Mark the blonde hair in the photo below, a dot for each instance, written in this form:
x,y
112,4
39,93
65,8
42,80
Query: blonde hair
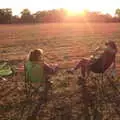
x,y
35,55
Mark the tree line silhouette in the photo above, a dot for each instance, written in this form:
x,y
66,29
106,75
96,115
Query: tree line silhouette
x,y
55,15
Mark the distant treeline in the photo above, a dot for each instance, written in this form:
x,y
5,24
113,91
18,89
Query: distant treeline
x,y
55,15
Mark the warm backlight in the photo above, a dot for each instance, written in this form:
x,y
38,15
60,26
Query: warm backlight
x,y
73,12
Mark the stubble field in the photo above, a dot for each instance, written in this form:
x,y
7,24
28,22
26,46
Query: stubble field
x,y
63,43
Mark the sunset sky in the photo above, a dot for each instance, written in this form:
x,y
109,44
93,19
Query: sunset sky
x,y
105,6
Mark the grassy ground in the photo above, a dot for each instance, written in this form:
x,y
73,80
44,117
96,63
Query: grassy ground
x,y
64,44
61,43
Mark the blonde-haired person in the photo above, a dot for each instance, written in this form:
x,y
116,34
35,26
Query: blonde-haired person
x,y
37,70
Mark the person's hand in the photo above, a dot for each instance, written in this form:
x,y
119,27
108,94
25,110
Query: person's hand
x,y
56,67
97,48
70,70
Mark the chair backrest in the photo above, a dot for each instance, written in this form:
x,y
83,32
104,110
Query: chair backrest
x,y
34,72
102,63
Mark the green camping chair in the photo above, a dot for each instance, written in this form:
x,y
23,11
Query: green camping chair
x,y
34,73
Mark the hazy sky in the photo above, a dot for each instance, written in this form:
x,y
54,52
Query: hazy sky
x,y
105,6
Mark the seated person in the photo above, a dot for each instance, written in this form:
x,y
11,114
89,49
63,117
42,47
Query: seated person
x,y
37,70
98,63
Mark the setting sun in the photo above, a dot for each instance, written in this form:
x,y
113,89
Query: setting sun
x,y
73,12
76,7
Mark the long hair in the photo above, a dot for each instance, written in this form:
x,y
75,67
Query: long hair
x,y
36,55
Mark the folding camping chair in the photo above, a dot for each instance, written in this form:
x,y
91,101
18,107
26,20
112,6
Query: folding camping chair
x,y
100,66
35,73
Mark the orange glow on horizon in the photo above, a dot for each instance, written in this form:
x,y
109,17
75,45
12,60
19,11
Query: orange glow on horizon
x,y
76,12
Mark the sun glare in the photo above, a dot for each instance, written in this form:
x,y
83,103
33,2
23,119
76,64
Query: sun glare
x,y
74,12
76,7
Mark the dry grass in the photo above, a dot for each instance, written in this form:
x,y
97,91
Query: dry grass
x,y
64,44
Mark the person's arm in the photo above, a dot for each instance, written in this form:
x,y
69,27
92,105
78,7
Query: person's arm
x,y
77,66
50,69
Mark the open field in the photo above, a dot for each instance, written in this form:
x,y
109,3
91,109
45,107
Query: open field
x,y
64,44
61,43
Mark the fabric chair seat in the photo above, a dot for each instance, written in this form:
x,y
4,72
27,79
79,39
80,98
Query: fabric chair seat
x,y
101,64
